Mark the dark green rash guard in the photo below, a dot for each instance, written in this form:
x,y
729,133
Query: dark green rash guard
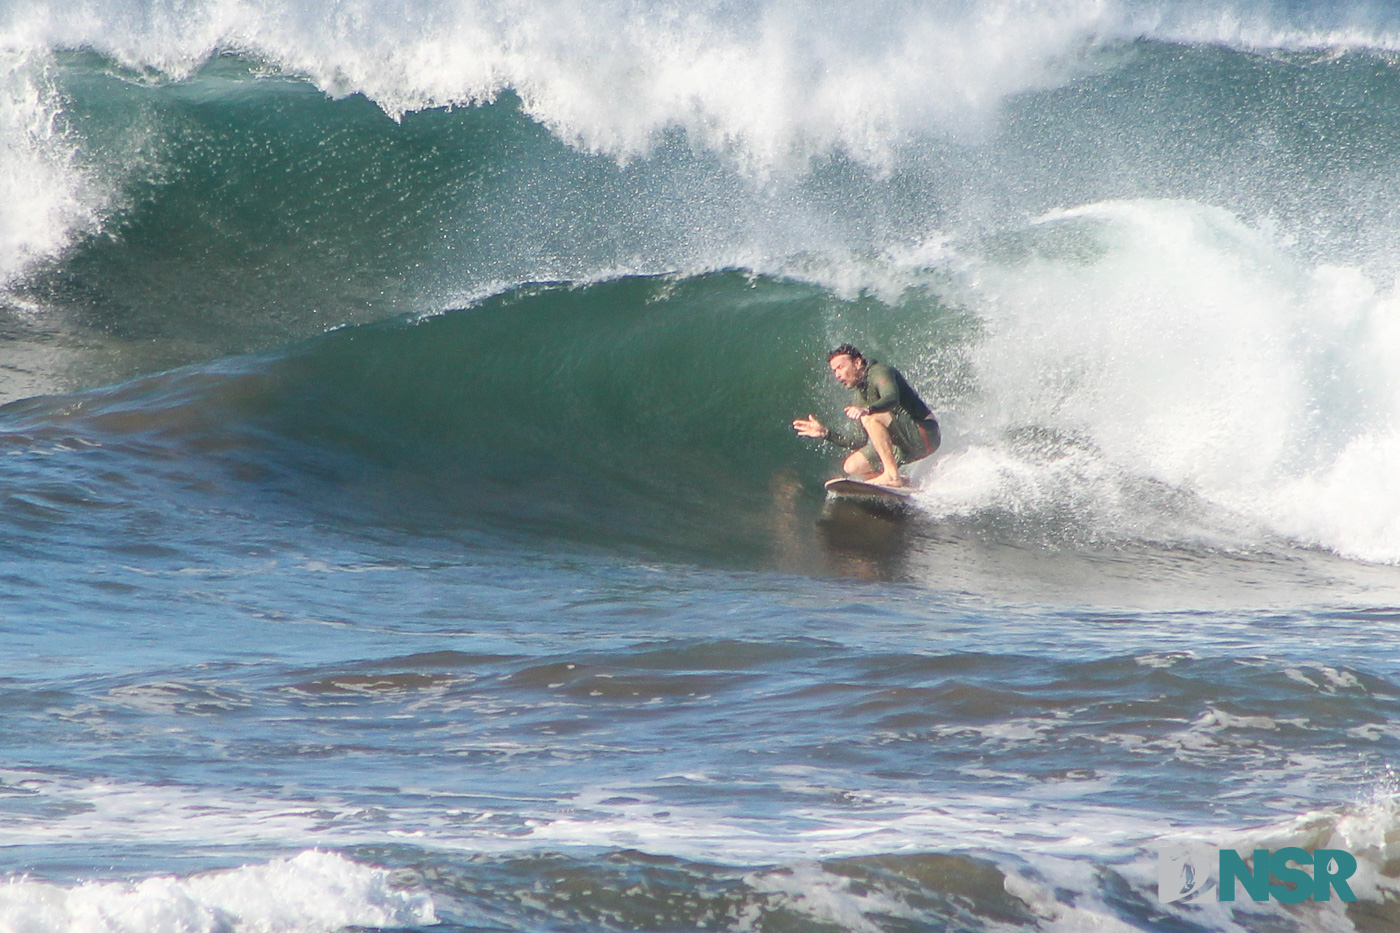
x,y
882,389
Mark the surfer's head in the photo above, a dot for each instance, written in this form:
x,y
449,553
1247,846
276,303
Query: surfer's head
x,y
847,365
845,350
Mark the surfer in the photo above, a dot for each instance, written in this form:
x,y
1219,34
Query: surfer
x,y
897,427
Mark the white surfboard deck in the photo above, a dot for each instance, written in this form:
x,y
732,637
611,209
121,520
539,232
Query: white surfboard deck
x,y
846,488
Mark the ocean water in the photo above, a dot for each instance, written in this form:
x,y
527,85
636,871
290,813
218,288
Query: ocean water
x,y
403,529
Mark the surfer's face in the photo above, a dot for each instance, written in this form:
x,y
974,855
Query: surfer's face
x,y
848,372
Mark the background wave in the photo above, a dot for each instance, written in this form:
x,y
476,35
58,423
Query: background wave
x,y
238,158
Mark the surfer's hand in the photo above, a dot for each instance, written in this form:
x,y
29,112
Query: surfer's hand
x,y
855,413
809,427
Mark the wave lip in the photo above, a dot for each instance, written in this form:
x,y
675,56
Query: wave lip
x,y
745,103
768,80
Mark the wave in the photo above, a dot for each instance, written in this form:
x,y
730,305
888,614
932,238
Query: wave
x,y
215,149
1139,255
854,859
1093,401
643,409
767,76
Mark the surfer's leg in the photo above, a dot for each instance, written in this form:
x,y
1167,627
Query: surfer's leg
x,y
877,428
859,464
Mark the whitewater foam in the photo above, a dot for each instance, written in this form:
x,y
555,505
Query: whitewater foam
x,y
829,898
1139,358
46,197
770,80
314,892
1350,502
1262,26
1044,838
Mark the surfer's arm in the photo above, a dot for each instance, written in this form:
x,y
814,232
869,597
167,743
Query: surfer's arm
x,y
811,427
842,439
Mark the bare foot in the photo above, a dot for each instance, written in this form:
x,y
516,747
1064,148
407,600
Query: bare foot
x,y
888,479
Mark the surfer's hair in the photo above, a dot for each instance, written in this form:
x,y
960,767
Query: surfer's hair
x,y
845,350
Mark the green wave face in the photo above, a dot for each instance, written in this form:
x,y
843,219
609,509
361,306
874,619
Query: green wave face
x,y
249,211
647,412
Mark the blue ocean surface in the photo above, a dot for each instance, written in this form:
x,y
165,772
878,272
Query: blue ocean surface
x,y
403,528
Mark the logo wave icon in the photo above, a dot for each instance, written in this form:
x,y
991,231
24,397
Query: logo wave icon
x,y
1185,874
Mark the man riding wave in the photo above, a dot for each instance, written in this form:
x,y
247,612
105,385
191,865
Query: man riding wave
x,y
897,427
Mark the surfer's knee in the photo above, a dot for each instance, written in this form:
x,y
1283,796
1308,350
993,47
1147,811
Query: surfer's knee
x,y
856,465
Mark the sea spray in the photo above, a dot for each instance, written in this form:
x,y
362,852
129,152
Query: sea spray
x,y
46,196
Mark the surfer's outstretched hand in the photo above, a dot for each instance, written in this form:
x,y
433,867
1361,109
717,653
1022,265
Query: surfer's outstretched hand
x,y
809,427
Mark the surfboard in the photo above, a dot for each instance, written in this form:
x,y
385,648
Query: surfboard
x,y
846,488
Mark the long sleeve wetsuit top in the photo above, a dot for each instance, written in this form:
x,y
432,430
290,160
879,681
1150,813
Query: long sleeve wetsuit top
x,y
882,389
